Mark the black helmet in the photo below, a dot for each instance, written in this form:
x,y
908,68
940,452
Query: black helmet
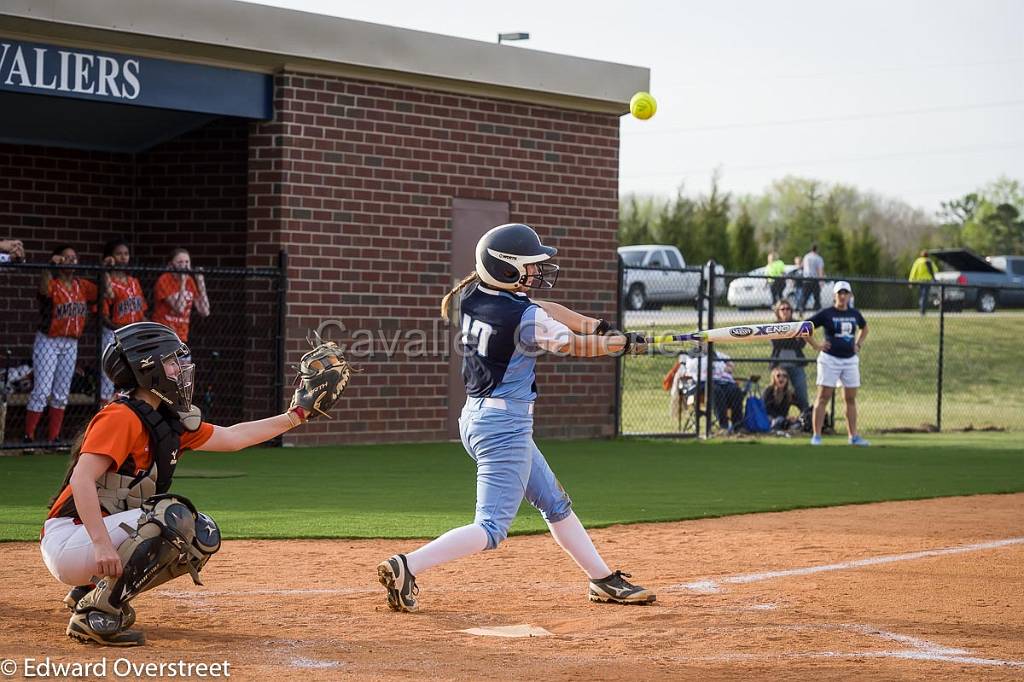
x,y
503,253
150,355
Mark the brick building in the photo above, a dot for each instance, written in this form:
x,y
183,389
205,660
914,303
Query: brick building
x,y
374,156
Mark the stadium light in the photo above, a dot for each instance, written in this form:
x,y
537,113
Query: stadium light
x,y
512,36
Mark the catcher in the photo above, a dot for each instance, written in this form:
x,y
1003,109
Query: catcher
x,y
114,530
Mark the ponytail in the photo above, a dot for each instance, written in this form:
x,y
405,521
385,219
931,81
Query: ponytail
x,y
446,302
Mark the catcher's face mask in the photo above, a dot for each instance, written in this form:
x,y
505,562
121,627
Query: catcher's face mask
x,y
175,387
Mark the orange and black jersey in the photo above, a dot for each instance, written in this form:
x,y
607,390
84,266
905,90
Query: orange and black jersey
x,y
116,432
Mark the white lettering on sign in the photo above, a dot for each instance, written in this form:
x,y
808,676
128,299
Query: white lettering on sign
x,y
42,68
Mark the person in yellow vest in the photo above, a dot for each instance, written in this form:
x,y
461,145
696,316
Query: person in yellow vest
x,y
923,271
776,268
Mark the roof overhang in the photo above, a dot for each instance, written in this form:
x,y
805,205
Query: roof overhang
x,y
269,39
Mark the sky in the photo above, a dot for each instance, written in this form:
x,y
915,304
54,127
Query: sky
x,y
917,100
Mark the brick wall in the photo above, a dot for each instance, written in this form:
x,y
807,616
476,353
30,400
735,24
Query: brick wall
x,y
356,179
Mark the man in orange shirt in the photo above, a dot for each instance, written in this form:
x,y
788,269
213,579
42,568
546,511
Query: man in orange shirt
x,y
175,295
64,308
113,530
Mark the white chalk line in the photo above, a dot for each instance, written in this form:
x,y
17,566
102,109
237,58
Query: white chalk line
x,y
919,649
714,585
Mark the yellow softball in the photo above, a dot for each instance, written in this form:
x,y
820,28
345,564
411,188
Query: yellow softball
x,y
642,105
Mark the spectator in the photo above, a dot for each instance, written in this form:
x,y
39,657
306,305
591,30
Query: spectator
x,y
64,308
175,295
727,397
775,269
923,270
813,269
11,250
778,398
123,303
838,359
797,281
787,354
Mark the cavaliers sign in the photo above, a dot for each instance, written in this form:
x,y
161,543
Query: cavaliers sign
x,y
38,69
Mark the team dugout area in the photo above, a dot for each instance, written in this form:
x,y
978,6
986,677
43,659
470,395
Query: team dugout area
x,y
315,169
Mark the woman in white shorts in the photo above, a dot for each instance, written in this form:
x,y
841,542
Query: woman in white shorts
x,y
839,359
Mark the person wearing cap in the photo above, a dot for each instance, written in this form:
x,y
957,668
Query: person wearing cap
x,y
838,359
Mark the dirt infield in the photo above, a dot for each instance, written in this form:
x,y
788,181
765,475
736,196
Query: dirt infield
x,y
896,590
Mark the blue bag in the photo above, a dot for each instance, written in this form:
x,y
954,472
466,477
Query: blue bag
x,y
755,416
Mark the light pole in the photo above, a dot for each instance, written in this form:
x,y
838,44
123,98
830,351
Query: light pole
x,y
512,36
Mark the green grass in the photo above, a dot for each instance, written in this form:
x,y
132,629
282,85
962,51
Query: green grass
x,y
421,490
982,382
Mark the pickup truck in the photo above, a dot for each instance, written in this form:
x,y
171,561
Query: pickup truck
x,y
986,279
655,274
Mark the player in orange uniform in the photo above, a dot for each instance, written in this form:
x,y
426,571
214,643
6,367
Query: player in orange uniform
x,y
113,530
64,306
123,304
175,295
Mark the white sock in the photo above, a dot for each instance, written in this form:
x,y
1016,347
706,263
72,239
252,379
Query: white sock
x,y
570,534
455,544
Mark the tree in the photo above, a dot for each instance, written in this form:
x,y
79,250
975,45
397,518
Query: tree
x,y
994,229
743,252
711,219
675,225
831,240
636,218
864,253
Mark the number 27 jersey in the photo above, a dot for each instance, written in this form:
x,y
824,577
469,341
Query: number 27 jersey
x,y
502,334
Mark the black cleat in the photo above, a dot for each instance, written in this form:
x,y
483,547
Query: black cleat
x,y
394,574
616,589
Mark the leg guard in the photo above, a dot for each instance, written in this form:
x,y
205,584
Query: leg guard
x,y
172,539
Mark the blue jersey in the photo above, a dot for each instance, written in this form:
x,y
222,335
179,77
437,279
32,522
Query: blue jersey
x,y
840,329
499,351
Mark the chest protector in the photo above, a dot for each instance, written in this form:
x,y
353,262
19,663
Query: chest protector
x,y
125,489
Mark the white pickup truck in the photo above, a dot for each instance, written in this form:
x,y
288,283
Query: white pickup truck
x,y
654,275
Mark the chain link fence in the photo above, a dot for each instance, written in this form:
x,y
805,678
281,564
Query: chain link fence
x,y
51,383
928,363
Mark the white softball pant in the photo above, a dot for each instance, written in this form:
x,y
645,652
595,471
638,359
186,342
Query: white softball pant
x,y
53,365
67,547
106,385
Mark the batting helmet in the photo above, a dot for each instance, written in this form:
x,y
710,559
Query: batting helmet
x,y
503,253
150,355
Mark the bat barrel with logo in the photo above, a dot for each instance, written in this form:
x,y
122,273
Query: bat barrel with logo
x,y
741,333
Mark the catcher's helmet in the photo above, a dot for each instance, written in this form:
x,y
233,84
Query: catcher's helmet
x,y
150,355
503,253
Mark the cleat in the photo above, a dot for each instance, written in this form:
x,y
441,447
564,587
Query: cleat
x,y
616,589
102,628
859,441
815,440
394,575
75,595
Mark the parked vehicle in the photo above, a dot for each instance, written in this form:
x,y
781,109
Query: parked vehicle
x,y
655,275
984,279
755,291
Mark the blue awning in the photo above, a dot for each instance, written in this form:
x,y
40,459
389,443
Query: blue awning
x,y
68,97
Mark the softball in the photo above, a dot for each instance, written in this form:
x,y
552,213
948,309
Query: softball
x,y
642,105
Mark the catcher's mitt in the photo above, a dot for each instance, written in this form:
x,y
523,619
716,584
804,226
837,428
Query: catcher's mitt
x,y
323,373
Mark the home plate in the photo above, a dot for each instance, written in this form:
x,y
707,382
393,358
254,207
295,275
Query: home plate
x,y
509,631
